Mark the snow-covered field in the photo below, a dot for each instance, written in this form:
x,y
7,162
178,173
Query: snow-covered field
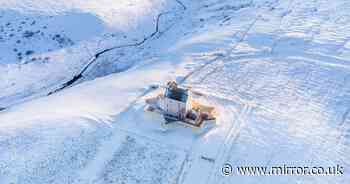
x,y
277,71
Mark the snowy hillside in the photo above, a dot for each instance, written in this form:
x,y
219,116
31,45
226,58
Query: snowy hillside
x,y
51,41
74,75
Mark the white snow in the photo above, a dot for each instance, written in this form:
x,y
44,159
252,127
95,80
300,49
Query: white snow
x,y
277,72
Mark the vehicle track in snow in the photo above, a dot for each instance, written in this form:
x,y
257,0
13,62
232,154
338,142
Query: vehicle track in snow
x,y
325,61
233,132
226,148
221,56
223,154
193,155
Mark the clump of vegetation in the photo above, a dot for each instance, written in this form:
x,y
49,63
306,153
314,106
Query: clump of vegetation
x,y
28,34
29,52
62,40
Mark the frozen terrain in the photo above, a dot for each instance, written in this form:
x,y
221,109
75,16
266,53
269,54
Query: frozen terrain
x,y
74,75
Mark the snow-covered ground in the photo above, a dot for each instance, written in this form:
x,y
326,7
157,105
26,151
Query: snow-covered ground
x,y
45,43
277,71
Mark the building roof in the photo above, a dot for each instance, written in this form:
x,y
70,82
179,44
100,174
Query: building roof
x,y
178,94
